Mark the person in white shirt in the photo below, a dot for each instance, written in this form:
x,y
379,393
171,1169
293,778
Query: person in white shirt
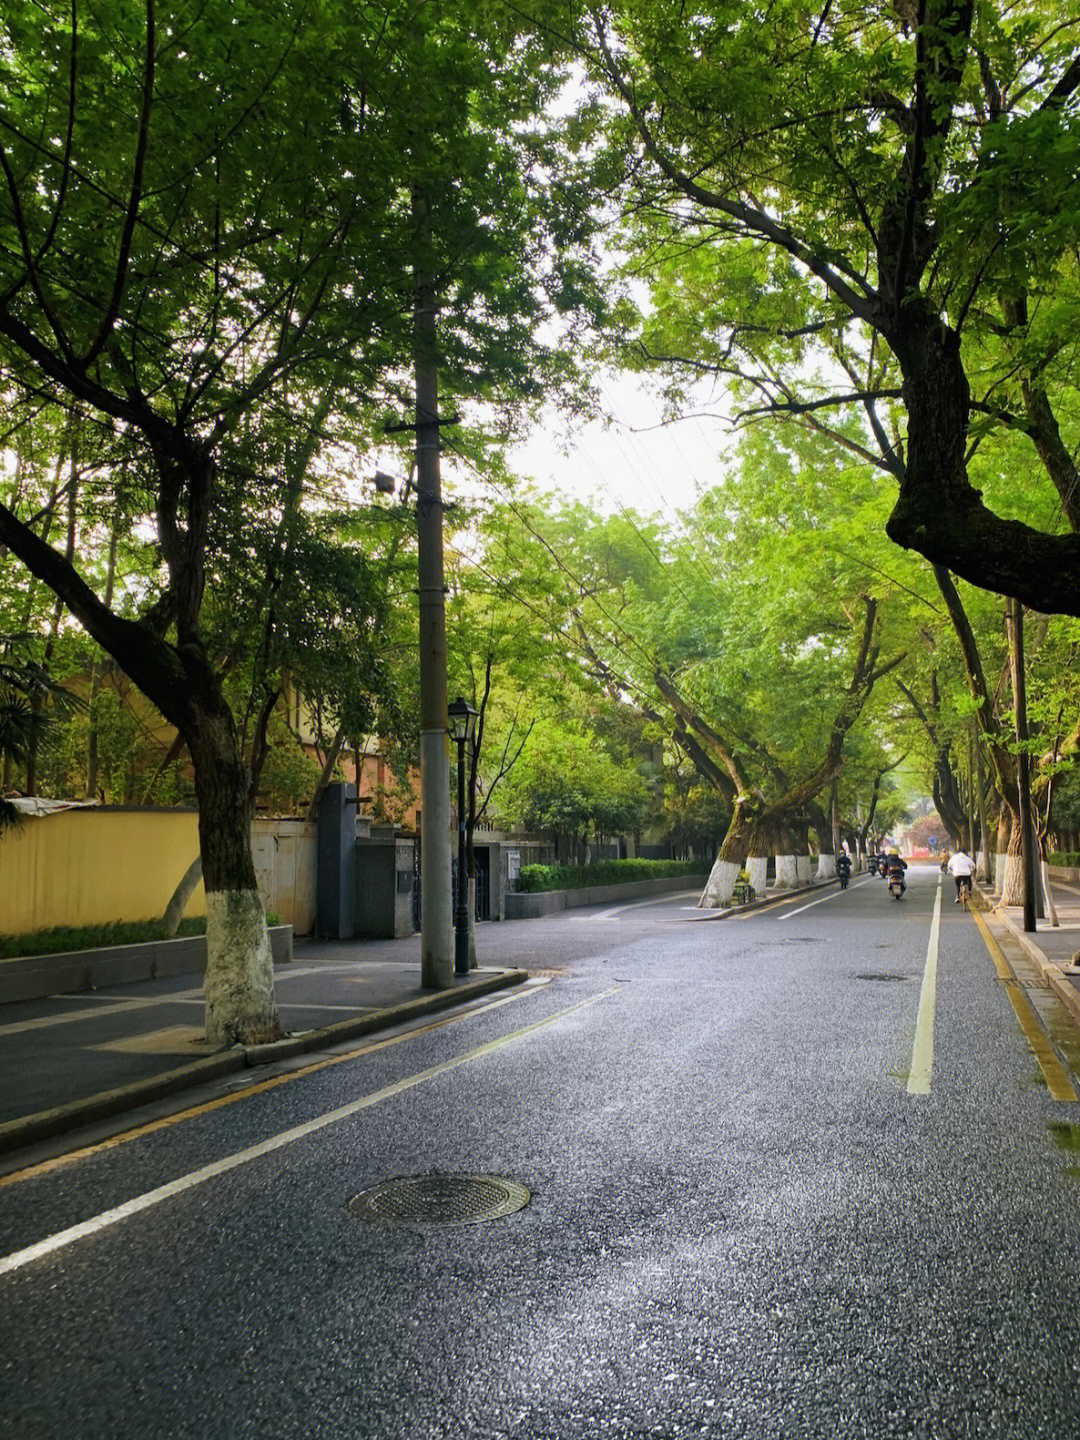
x,y
962,868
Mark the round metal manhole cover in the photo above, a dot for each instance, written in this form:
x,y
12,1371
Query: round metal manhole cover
x,y
439,1200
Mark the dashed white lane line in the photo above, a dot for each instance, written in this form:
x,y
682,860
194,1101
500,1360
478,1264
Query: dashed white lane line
x,y
19,1258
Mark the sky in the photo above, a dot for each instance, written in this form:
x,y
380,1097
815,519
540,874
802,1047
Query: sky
x,y
634,460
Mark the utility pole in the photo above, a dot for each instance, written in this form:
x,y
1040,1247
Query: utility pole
x,y
1023,767
436,967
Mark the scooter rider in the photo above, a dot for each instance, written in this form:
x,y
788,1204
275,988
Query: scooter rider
x,y
894,865
843,868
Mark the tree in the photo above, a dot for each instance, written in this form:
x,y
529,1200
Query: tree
x,y
206,220
31,706
849,208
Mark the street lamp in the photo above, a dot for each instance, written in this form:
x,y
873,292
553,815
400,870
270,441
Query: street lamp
x,y
462,719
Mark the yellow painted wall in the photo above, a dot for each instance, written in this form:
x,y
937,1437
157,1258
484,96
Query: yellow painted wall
x,y
94,867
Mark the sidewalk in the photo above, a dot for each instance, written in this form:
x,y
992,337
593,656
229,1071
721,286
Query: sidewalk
x,y
1051,948
73,1060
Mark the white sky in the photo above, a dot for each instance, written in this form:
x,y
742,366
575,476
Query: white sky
x,y
635,460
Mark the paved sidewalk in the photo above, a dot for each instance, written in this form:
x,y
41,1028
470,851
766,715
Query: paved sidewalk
x,y
1052,948
73,1060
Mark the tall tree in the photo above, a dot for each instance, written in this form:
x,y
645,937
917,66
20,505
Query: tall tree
x,y
202,203
893,192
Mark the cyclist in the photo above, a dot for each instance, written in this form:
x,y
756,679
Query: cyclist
x,y
961,868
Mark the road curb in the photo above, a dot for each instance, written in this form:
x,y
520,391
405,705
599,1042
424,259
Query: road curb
x,y
1050,972
1042,963
47,1124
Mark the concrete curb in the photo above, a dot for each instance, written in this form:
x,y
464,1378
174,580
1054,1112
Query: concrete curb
x,y
1050,971
46,1124
1066,993
1045,966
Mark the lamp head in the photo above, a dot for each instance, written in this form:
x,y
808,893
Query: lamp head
x,y
462,719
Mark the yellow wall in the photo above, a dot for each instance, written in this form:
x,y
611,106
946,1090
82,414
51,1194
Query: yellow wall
x,y
95,866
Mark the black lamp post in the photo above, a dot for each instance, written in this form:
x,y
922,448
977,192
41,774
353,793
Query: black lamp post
x,y
462,718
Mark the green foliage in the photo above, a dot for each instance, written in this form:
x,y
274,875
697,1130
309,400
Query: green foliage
x,y
534,878
63,939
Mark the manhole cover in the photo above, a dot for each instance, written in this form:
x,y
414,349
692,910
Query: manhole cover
x,y
880,975
438,1200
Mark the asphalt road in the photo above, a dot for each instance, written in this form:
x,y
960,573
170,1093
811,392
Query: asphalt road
x,y
768,1198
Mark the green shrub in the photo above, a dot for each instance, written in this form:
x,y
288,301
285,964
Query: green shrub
x,y
63,939
1064,857
534,878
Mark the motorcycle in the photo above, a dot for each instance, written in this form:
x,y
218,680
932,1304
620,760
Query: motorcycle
x,y
896,885
844,872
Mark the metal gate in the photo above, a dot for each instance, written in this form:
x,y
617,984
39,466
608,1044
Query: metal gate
x,y
483,884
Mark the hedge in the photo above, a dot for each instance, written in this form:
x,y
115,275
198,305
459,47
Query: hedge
x,y
1064,857
534,878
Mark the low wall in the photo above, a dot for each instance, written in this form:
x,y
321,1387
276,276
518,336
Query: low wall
x,y
1067,874
547,902
31,977
103,864
95,866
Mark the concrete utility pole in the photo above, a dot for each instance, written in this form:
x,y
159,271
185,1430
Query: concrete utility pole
x,y
436,968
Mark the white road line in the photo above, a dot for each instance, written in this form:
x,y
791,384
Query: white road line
x,y
652,900
922,1054
19,1258
832,896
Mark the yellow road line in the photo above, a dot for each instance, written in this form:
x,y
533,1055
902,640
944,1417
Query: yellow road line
x,y
922,1055
44,1167
150,1198
1058,1080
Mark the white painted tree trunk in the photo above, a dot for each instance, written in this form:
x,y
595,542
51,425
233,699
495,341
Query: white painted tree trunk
x,y
804,869
1011,876
239,986
757,867
826,867
786,872
720,886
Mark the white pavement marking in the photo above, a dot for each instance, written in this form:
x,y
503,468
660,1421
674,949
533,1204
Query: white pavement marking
x,y
19,1258
141,1002
637,904
812,903
68,1017
922,1054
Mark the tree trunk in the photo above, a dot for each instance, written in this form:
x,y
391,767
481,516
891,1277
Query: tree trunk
x,y
787,872
757,868
174,911
239,988
731,857
1010,876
